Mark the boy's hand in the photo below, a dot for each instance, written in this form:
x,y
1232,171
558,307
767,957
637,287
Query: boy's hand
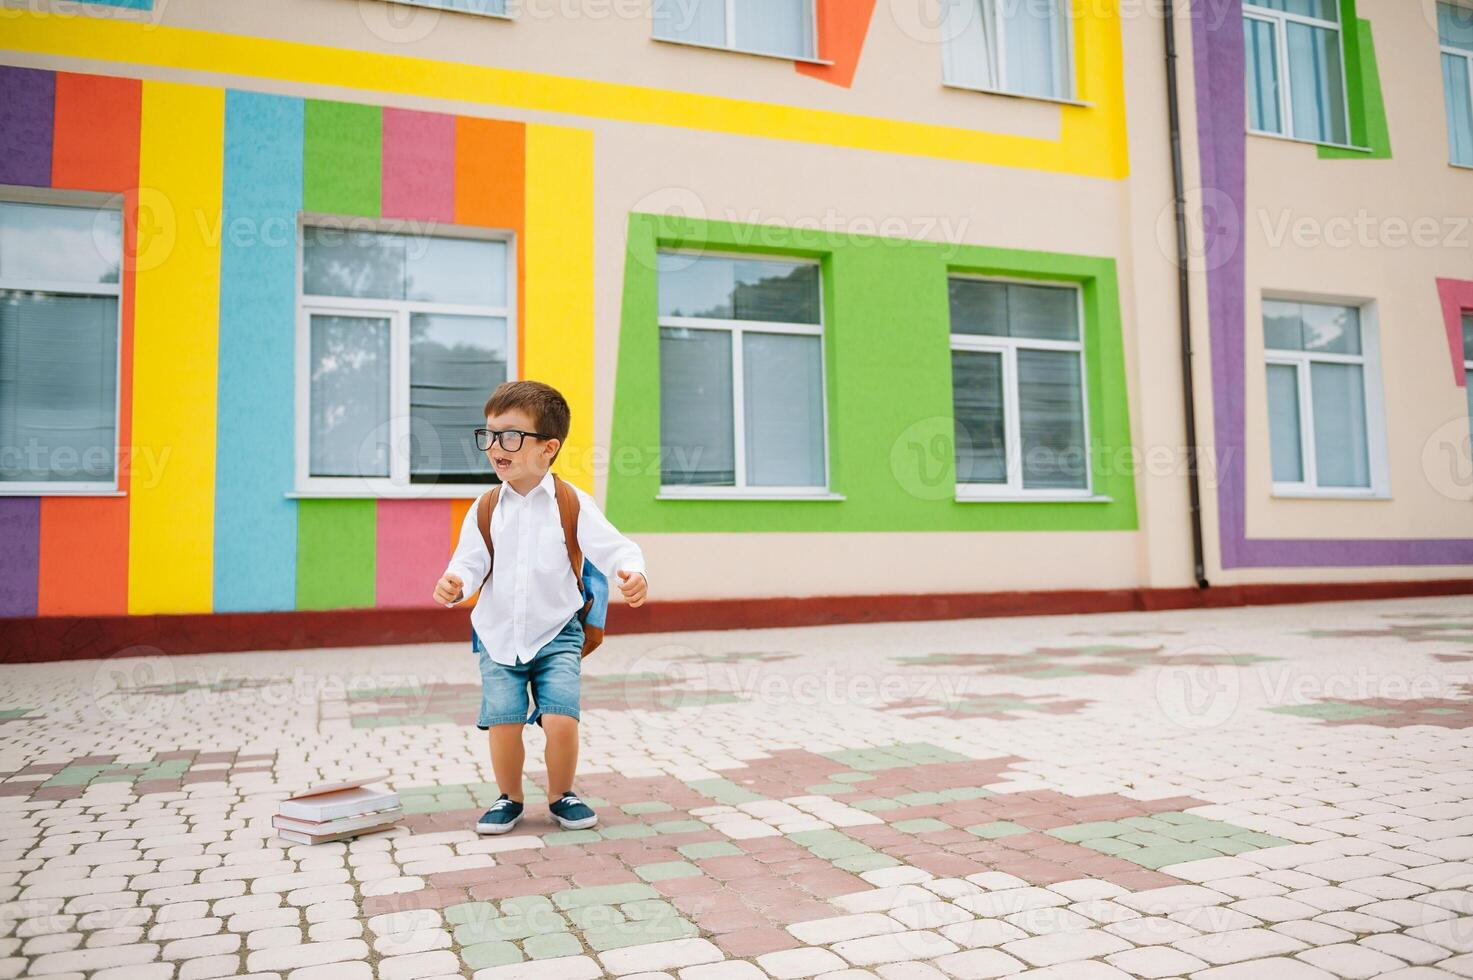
x,y
634,587
448,590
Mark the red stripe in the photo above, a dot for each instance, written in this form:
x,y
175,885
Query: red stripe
x,y
419,165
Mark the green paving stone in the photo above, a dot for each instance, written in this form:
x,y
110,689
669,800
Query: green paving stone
x,y
1109,845
570,837
1142,823
1188,832
1259,840
924,825
73,776
810,837
639,932
876,804
1163,854
10,714
1329,711
526,904
849,777
827,789
649,908
666,869
1181,818
1440,711
1227,845
1142,838
419,806
1088,831
595,917
996,829
115,777
709,849
833,850
603,895
921,799
648,806
626,831
496,953
967,793
551,945
470,912
679,827
861,863
594,801
508,927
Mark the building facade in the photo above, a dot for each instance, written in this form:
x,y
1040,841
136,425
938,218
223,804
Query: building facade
x,y
856,305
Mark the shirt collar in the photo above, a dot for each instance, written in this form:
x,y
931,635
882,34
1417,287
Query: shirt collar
x,y
545,485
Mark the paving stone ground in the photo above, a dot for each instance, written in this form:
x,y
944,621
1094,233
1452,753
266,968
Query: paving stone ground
x,y
1282,792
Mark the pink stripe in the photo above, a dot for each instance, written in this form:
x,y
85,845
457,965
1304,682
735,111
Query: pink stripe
x,y
412,551
419,165
1457,298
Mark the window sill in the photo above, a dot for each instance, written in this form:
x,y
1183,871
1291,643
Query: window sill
x,y
455,10
966,495
715,494
427,493
755,54
1053,99
1322,493
1297,139
1460,166
34,491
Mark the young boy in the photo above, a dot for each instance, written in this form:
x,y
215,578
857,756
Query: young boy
x,y
526,619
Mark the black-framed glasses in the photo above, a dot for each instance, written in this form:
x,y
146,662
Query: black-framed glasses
x,y
510,439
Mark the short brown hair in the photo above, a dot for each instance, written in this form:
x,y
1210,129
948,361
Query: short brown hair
x,y
541,401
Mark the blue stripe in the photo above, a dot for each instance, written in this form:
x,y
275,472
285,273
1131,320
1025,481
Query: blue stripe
x,y
255,524
134,4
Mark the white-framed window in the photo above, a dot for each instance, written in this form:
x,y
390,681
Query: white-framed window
x,y
489,8
1326,418
1018,389
1455,35
1020,47
781,28
1468,362
1295,70
742,404
60,328
400,339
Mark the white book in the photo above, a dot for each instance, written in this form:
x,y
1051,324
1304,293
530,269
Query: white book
x,y
318,828
299,838
348,798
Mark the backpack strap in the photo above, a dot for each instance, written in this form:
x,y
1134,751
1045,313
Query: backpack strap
x,y
568,506
484,507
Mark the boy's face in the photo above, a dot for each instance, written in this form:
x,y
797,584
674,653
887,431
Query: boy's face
x,y
524,468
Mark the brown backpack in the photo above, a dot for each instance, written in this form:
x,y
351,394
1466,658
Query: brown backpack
x,y
567,508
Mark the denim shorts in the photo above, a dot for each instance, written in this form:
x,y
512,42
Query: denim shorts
x,y
552,675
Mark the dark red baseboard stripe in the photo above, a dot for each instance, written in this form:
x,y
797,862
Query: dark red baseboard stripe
x,y
50,638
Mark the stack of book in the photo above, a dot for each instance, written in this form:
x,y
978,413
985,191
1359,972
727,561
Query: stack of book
x,y
337,811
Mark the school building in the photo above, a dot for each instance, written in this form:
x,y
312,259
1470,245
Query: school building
x,y
864,310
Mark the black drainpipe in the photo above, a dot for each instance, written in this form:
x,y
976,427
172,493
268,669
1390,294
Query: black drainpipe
x,y
1183,292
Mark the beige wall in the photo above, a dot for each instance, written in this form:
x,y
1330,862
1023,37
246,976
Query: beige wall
x,y
737,178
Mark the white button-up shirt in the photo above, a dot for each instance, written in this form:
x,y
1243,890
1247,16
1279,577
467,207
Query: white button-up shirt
x,y
533,596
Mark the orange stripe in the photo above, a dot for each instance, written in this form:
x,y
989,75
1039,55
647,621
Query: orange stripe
x,y
96,148
458,509
491,191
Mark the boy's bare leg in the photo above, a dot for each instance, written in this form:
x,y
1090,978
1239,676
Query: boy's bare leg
x,y
561,753
507,756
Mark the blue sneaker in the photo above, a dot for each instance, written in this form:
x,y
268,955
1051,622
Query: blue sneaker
x,y
504,814
572,813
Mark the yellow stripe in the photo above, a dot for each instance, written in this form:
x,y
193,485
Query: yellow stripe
x,y
1092,139
171,514
559,282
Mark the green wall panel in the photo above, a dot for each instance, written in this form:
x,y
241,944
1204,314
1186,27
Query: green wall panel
x,y
1367,108
336,540
888,362
344,158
